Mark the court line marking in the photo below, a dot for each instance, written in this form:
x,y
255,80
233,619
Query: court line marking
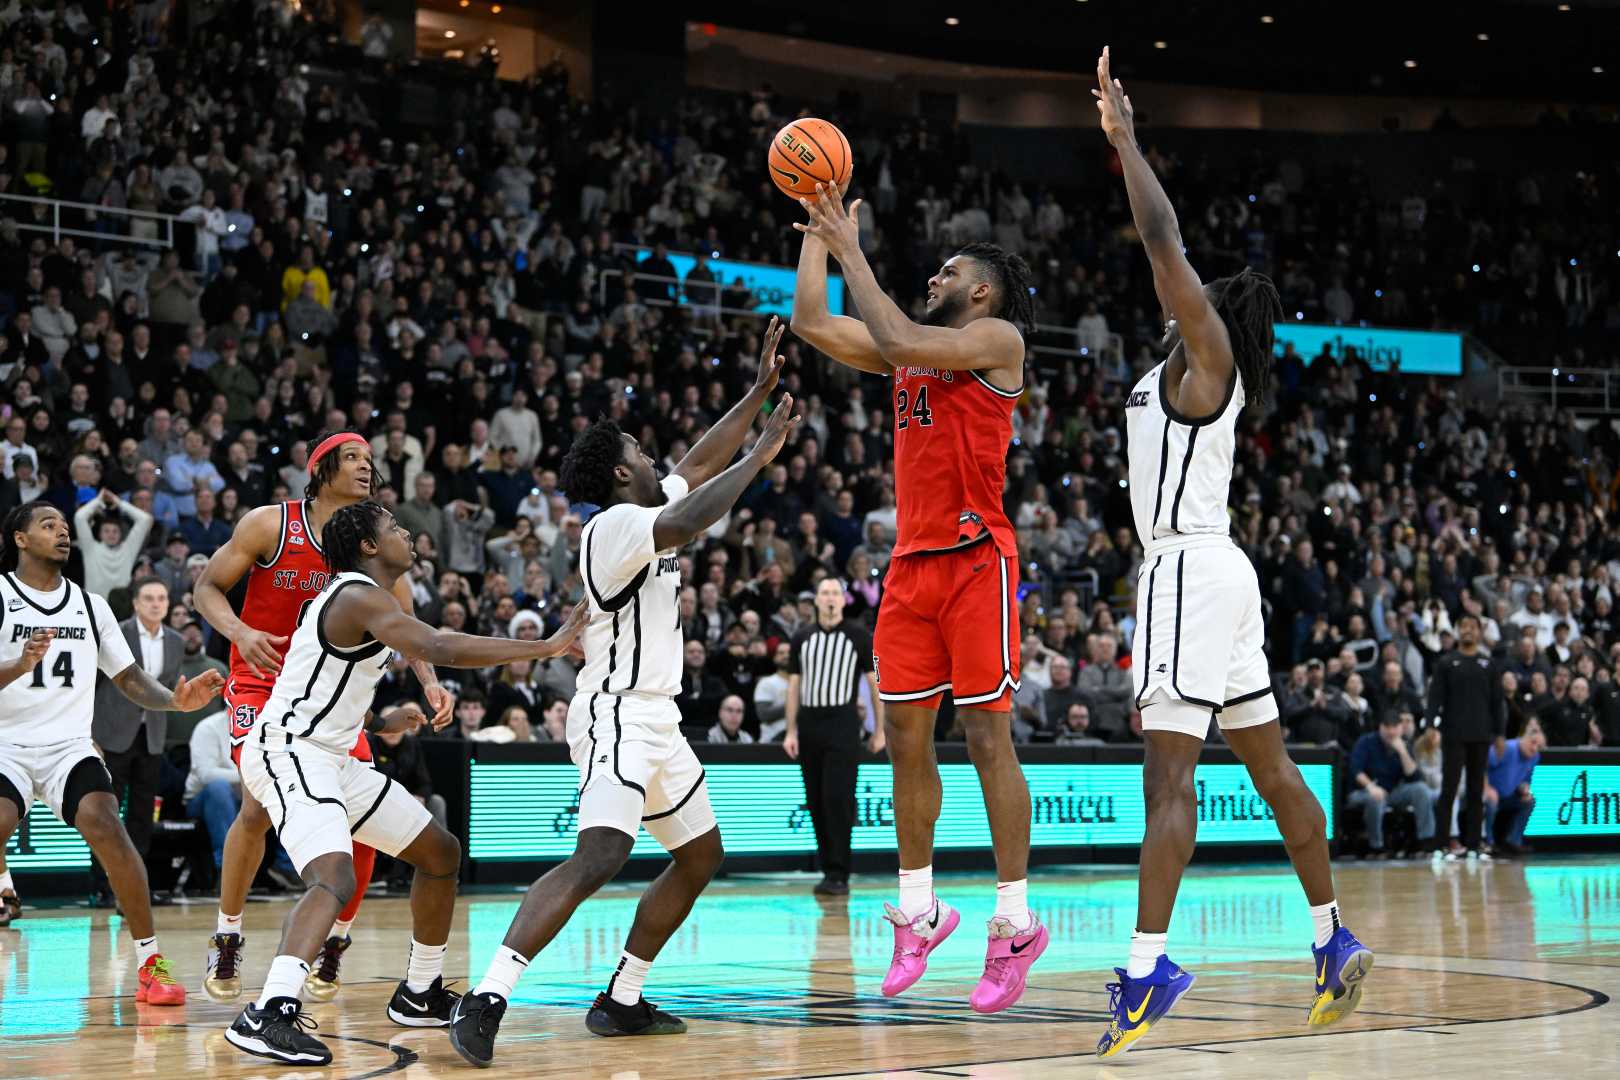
x,y
404,1056
1596,999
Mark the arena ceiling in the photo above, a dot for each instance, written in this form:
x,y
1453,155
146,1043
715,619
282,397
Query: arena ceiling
x,y
1525,50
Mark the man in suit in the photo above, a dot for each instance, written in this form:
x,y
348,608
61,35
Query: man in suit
x,y
131,738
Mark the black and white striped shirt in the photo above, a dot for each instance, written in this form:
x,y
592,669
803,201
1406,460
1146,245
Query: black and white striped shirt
x,y
830,664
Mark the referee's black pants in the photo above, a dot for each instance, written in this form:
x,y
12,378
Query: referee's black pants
x,y
829,756
1455,756
135,773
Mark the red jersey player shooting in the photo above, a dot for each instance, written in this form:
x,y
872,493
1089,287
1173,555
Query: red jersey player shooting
x,y
949,614
278,549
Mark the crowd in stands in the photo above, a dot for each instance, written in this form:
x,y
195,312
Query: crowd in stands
x,y
467,298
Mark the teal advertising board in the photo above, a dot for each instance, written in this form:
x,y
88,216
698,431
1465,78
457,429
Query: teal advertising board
x,y
1419,352
1575,800
41,842
772,286
523,811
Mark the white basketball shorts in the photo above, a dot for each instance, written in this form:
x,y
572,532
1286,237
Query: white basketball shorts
x,y
1200,636
321,802
41,772
636,769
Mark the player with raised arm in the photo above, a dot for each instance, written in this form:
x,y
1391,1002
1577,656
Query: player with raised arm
x,y
949,615
323,800
1200,635
636,768
54,638
278,549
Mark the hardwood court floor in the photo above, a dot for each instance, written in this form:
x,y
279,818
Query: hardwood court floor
x,y
1482,971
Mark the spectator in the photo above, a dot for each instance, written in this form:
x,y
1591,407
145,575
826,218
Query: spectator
x,y
183,472
517,426
771,694
110,548
203,531
1385,775
701,692
1103,685
1507,793
1076,727
728,728
1573,721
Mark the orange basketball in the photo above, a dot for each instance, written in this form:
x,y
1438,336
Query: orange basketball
x,y
805,153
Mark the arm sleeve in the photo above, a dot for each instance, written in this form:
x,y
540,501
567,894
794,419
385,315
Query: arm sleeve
x,y
114,656
863,649
794,668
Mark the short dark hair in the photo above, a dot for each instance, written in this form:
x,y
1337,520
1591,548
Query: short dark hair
x,y
326,469
142,582
21,519
587,469
346,530
1010,276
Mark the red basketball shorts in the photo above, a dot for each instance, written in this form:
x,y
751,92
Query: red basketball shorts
x,y
242,705
949,621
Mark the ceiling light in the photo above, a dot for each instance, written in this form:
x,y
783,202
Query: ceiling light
x,y
1597,69
1482,37
449,33
1161,45
952,21
495,9
1267,19
1411,63
1563,7
466,3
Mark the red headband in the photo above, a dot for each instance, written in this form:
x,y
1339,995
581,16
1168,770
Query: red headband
x,y
330,443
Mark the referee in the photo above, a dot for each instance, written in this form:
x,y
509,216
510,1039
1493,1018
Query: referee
x,y
829,659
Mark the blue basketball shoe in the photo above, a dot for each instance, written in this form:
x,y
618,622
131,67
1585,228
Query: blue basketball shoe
x,y
1138,1004
1341,965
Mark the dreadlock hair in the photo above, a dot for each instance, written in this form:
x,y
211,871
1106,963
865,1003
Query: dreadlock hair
x,y
326,469
21,519
1010,275
586,475
1248,304
344,532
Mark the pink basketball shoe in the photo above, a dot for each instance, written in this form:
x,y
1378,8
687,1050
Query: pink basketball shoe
x,y
1007,963
914,939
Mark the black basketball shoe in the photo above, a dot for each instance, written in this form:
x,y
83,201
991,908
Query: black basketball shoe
x,y
607,1017
431,1008
277,1032
474,1021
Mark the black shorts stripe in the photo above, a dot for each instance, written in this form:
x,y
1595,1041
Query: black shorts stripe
x,y
684,800
1250,696
613,654
1175,658
275,782
1147,633
365,817
590,729
618,736
1186,465
304,783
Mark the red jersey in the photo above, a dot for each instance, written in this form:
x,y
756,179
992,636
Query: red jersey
x,y
278,590
951,433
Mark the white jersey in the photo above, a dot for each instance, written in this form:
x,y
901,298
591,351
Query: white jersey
x,y
57,701
1180,470
322,694
633,640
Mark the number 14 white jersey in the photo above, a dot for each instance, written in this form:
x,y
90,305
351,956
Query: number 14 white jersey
x,y
57,700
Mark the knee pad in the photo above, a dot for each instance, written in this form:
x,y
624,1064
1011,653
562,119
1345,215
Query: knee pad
x,y
88,777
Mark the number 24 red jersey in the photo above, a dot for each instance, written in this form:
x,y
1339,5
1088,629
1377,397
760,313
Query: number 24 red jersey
x,y
951,433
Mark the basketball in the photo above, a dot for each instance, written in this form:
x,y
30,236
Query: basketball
x,y
806,153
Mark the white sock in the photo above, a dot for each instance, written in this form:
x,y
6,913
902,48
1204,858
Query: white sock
x,y
625,986
340,929
916,891
145,949
5,883
1145,952
426,964
228,924
504,972
1012,903
1326,918
286,980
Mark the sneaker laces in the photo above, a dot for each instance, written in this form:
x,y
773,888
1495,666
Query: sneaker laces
x,y
995,968
158,968
297,1018
229,947
330,959
489,1017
